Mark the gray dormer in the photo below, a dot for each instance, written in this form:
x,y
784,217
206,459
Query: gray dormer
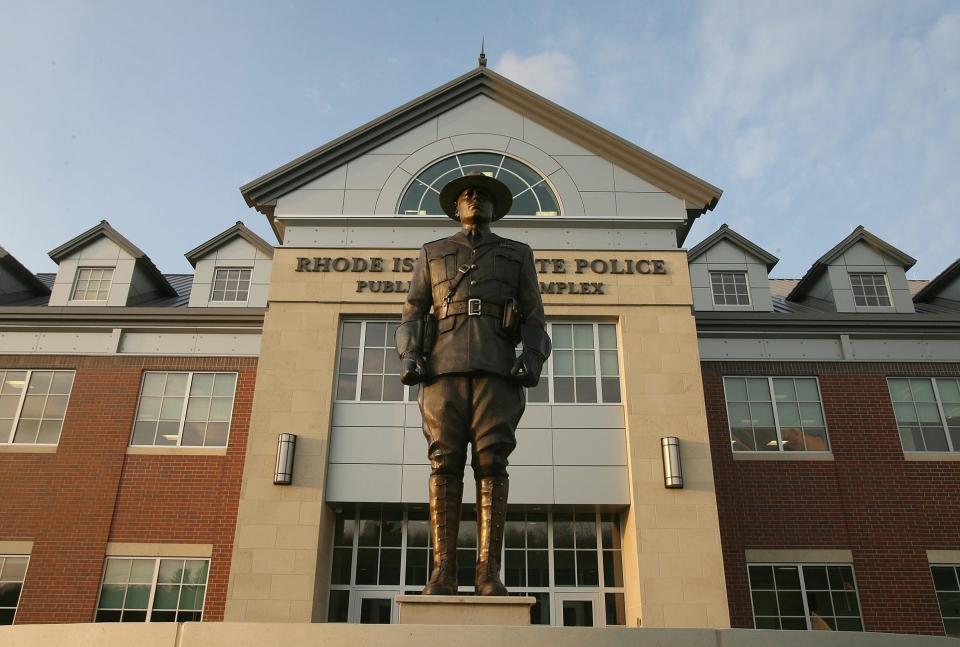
x,y
102,268
729,273
861,274
943,291
17,283
232,270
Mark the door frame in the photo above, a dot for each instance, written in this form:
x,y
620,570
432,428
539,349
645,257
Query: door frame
x,y
594,597
358,595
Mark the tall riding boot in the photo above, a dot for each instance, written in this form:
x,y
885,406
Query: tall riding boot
x,y
445,495
491,521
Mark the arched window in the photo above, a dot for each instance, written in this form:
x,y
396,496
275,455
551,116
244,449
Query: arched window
x,y
532,195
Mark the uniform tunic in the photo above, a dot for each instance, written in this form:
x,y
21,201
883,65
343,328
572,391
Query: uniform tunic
x,y
469,395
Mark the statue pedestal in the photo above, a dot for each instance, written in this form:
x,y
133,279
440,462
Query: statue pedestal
x,y
464,610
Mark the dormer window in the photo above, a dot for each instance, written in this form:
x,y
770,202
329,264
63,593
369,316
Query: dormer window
x,y
231,284
730,288
870,290
93,284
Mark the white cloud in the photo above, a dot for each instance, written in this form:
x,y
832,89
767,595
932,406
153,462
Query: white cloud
x,y
553,74
846,112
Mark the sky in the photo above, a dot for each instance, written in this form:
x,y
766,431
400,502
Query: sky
x,y
813,117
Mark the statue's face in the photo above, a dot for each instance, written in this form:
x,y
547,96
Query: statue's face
x,y
475,207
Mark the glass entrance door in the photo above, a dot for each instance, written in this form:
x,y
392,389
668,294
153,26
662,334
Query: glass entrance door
x,y
373,607
577,610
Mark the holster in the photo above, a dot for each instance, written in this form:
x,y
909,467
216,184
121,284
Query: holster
x,y
512,320
536,339
429,333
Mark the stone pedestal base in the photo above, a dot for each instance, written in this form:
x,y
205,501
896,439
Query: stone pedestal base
x,y
511,611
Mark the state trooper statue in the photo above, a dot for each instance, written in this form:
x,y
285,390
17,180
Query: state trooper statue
x,y
473,297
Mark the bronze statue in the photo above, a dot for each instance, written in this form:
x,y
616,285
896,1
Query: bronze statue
x,y
474,296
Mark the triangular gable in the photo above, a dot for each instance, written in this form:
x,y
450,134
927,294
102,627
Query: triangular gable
x,y
263,192
239,230
9,263
106,231
725,233
859,235
932,289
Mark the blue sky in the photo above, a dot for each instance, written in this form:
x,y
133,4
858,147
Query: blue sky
x,y
813,117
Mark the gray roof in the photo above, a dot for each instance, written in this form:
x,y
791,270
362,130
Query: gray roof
x,y
239,230
181,283
263,192
16,268
859,234
937,283
725,233
105,230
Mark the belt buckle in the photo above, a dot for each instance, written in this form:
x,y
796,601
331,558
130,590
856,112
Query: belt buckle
x,y
473,307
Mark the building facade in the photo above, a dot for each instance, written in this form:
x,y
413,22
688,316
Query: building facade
x,y
817,419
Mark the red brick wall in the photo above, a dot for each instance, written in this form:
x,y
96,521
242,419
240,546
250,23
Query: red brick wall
x,y
869,500
70,504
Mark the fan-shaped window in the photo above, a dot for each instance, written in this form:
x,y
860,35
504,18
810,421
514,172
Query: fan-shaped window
x,y
532,196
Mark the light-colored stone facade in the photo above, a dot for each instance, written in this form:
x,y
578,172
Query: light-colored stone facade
x,y
672,560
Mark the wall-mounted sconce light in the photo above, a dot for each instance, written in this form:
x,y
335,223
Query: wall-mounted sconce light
x,y
286,447
672,471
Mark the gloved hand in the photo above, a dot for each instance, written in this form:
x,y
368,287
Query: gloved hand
x,y
527,368
411,370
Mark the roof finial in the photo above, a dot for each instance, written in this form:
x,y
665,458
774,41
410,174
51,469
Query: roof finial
x,y
482,61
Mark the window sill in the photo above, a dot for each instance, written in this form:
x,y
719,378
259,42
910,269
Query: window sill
x,y
177,451
28,449
783,456
922,457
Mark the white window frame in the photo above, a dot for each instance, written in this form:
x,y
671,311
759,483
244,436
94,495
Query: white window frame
x,y
547,374
776,416
76,281
943,416
803,590
213,284
23,397
886,286
153,583
713,293
466,587
943,619
16,609
183,409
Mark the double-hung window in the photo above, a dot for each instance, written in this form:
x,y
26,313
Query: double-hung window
x,y
185,409
152,590
928,413
775,414
804,596
947,584
13,569
33,405
92,284
231,284
730,288
870,290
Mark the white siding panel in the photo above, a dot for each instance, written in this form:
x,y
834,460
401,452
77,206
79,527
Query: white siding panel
x,y
589,447
591,485
480,115
414,486
414,447
531,484
587,416
534,447
366,445
368,414
362,483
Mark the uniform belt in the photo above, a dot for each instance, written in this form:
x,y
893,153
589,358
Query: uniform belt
x,y
471,307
